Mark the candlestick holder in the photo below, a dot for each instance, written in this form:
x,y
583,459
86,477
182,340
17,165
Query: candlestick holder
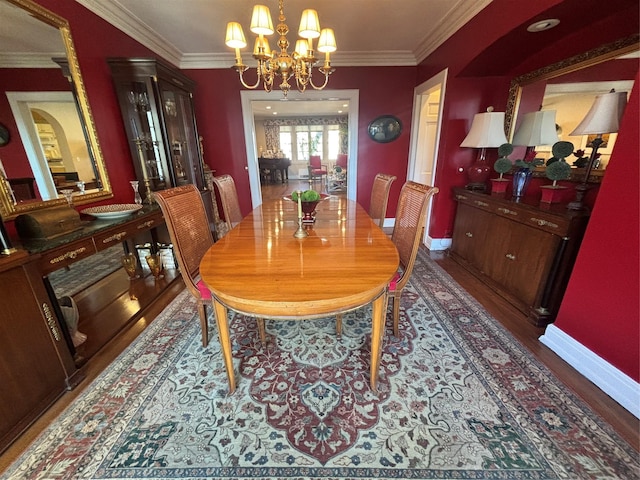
x,y
300,232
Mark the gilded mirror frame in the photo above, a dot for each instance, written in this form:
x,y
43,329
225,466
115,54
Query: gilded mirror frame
x,y
577,62
7,208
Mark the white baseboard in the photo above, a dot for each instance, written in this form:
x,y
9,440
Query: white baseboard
x,y
619,386
437,244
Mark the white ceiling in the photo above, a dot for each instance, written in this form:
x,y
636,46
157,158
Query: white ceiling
x,y
190,33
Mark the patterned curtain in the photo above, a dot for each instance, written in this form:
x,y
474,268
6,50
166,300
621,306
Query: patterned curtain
x,y
272,128
272,134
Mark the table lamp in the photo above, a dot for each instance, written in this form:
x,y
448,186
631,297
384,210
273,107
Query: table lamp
x,y
487,131
603,117
536,128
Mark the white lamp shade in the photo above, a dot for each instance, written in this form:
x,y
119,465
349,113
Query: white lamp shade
x,y
487,130
327,41
235,36
261,23
261,43
309,24
302,47
604,116
537,128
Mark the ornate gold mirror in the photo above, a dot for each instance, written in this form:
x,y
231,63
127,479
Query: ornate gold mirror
x,y
55,146
570,87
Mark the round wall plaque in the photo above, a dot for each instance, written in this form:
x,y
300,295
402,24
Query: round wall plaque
x,y
384,129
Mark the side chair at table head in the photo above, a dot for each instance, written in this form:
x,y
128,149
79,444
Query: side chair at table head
x,y
316,168
186,219
229,200
411,217
380,197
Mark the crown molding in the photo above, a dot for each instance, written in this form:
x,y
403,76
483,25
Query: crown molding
x,y
459,14
342,59
29,60
121,18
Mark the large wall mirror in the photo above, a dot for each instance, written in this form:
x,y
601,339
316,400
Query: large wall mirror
x,y
54,145
569,88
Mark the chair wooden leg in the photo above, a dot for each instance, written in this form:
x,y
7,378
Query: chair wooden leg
x,y
204,325
339,325
396,313
262,331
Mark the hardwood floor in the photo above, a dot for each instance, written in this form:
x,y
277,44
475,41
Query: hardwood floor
x,y
620,419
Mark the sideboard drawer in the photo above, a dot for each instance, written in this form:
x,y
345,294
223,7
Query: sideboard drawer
x,y
119,234
66,254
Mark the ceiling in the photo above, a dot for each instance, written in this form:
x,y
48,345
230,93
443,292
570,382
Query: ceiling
x,y
190,33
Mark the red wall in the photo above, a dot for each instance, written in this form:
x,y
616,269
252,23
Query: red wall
x,y
601,308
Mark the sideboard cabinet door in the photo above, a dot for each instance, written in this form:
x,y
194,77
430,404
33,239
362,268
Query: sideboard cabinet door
x,y
35,363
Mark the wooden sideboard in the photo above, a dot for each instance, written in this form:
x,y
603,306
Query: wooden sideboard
x,y
523,251
37,358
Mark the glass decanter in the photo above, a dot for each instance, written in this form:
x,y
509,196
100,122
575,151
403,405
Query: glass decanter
x,y
137,197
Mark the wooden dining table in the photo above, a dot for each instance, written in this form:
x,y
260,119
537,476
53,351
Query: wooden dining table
x,y
260,269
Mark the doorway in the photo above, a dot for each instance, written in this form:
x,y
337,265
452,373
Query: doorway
x,y
252,167
428,103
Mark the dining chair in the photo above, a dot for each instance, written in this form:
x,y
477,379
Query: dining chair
x,y
186,219
229,200
380,197
316,168
411,216
342,160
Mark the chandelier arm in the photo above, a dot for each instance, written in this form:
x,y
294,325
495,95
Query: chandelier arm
x,y
326,80
244,84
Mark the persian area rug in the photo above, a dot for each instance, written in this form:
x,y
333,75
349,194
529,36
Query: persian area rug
x,y
458,398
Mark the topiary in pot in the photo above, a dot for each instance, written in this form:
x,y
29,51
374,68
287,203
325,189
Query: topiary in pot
x,y
503,164
557,167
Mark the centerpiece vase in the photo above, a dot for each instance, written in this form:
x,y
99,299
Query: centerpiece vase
x,y
521,179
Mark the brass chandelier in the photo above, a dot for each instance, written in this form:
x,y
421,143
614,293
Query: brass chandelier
x,y
297,65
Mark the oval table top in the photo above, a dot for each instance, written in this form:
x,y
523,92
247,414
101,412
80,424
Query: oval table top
x,y
259,268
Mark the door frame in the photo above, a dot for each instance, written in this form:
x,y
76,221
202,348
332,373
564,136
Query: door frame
x,y
420,95
248,96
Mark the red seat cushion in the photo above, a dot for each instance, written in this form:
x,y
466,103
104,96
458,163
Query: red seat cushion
x,y
205,293
394,281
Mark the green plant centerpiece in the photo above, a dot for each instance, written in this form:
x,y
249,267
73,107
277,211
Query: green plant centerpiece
x,y
557,167
306,196
503,164
308,202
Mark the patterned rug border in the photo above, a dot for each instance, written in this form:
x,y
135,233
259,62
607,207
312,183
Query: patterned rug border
x,y
183,304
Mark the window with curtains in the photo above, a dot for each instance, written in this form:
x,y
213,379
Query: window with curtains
x,y
300,141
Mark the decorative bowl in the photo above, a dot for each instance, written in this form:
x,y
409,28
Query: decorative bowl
x,y
309,208
116,210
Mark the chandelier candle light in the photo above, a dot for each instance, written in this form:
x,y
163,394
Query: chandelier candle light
x,y
295,66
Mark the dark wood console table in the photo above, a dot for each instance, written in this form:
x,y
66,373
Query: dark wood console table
x,y
35,348
523,251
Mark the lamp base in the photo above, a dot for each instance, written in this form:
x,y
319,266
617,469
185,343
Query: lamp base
x,y
478,174
578,204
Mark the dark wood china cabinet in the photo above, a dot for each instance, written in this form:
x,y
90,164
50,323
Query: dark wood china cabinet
x,y
156,102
